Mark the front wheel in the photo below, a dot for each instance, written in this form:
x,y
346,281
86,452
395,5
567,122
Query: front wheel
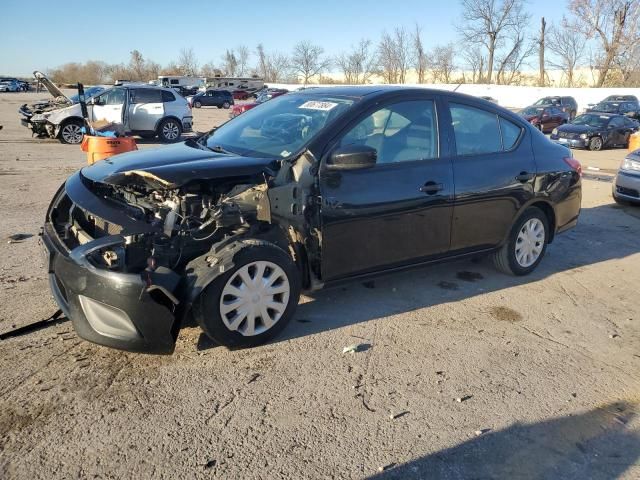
x,y
253,301
169,130
526,245
71,132
226,105
595,144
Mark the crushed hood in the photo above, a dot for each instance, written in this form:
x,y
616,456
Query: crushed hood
x,y
174,166
49,85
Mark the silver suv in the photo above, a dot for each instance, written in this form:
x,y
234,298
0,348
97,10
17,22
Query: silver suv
x,y
144,110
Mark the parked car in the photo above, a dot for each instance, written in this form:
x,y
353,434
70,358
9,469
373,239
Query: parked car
x,y
545,118
596,131
566,104
630,109
212,98
626,184
10,86
265,96
241,94
311,189
143,109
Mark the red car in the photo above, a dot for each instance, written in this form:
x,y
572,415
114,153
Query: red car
x,y
262,97
545,118
240,94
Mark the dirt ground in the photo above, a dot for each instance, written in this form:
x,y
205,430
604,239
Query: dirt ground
x,y
462,372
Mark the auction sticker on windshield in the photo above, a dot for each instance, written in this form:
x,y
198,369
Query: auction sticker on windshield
x,y
316,105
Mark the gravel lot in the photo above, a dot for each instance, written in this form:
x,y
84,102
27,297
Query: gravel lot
x,y
463,372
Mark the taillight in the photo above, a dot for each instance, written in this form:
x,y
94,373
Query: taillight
x,y
574,164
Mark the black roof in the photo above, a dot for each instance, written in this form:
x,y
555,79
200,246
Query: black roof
x,y
367,90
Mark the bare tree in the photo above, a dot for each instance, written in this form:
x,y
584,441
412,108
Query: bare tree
x,y
541,47
261,67
567,44
272,67
487,22
230,63
187,62
359,64
137,66
628,63
171,69
510,64
476,62
393,54
614,24
243,60
419,54
442,63
307,60
209,70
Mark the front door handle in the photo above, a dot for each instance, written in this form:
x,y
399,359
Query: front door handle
x,y
431,188
525,177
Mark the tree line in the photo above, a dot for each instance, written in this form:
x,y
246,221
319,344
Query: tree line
x,y
597,43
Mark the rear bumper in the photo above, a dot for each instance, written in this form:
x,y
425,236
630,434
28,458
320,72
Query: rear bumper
x,y
110,308
626,186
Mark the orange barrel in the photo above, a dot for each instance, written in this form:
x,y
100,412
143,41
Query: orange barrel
x,y
99,148
634,141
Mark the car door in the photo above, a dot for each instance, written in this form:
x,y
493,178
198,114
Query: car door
x,y
494,173
399,211
146,109
618,132
108,106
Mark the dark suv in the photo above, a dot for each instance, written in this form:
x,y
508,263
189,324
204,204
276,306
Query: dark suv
x,y
307,190
212,98
630,108
566,104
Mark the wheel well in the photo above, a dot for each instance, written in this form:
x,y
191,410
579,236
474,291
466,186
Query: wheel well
x,y
67,121
551,217
168,117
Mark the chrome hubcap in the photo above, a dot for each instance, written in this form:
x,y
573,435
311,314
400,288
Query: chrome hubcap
x,y
72,133
170,131
254,298
530,242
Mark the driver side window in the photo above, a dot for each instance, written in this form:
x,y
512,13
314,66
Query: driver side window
x,y
112,97
402,132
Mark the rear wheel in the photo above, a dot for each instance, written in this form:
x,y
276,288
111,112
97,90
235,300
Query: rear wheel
x,y
253,301
526,245
595,144
169,130
197,104
71,132
226,105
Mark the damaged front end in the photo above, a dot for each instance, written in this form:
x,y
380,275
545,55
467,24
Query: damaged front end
x,y
117,249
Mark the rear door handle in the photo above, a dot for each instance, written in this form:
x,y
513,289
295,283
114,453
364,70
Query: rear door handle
x,y
524,177
431,188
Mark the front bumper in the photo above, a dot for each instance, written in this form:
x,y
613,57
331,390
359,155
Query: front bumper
x,y
626,186
114,309
570,142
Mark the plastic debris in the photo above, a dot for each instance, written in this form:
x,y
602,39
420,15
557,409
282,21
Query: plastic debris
x,y
463,399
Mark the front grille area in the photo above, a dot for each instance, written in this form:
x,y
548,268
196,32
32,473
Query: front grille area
x,y
95,227
565,135
629,192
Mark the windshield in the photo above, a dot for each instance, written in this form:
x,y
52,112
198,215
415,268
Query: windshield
x,y
532,111
607,107
279,127
88,93
548,101
597,121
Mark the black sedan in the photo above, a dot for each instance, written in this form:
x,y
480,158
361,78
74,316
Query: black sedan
x,y
596,131
212,98
305,191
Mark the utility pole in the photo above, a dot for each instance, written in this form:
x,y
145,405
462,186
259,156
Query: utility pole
x,y
543,28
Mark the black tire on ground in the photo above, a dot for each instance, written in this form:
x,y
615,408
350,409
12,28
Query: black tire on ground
x,y
595,144
70,132
197,104
226,105
207,307
169,130
505,259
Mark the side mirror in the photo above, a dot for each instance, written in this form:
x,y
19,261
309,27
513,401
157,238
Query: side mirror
x,y
352,157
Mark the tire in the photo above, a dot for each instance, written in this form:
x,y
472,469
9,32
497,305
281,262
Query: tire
x,y
197,104
507,260
257,256
169,130
596,144
70,132
226,105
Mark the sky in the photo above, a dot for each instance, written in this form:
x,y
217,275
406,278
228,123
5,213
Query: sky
x,y
39,35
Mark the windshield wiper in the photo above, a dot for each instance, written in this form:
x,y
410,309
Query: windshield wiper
x,y
220,149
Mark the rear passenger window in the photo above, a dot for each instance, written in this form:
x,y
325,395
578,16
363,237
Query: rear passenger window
x,y
510,133
168,96
146,95
476,131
